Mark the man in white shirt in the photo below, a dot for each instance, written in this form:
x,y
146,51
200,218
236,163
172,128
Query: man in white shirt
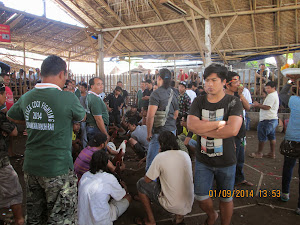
x,y
190,92
96,188
268,121
174,193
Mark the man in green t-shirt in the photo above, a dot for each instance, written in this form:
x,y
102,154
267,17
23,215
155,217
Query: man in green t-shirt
x,y
51,185
97,118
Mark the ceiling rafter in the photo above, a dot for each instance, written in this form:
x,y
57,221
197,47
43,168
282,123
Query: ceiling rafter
x,y
196,9
296,24
253,6
164,26
113,13
99,14
222,21
91,18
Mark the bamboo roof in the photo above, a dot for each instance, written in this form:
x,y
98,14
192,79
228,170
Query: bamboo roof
x,y
146,27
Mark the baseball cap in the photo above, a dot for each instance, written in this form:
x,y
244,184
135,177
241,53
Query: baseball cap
x,y
182,83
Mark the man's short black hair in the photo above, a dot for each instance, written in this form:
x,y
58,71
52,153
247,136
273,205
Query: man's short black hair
x,y
99,162
262,64
271,84
52,66
189,85
83,84
194,84
133,121
97,140
92,80
230,75
118,89
219,69
68,82
119,82
148,81
167,141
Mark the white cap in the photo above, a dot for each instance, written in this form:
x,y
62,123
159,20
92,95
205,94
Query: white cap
x,y
30,70
112,146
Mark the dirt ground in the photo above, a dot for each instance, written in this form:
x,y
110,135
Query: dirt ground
x,y
257,210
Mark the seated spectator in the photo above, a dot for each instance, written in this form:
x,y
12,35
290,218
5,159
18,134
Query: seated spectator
x,y
82,162
132,113
76,143
96,188
174,193
138,139
188,137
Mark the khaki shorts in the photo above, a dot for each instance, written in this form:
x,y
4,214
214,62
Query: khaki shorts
x,y
10,189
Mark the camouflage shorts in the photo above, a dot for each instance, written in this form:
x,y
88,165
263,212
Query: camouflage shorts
x,y
51,200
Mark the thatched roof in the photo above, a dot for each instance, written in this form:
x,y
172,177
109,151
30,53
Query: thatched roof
x,y
146,27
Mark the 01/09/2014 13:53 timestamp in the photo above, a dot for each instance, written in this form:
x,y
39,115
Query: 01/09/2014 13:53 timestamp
x,y
244,193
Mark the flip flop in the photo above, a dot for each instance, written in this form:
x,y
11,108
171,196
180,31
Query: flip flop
x,y
139,221
255,155
174,222
244,183
270,156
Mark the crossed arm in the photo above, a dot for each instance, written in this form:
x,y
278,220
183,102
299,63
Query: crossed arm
x,y
215,129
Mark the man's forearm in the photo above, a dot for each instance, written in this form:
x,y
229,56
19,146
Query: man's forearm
x,y
245,102
101,125
201,126
225,132
149,124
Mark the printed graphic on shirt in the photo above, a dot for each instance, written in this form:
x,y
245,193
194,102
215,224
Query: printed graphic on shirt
x,y
39,116
212,147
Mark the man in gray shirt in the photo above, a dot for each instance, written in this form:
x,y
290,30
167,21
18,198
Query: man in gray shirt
x,y
138,140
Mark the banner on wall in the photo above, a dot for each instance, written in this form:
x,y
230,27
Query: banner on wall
x,y
5,33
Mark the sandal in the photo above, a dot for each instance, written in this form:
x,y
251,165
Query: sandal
x,y
255,155
270,155
139,221
174,222
247,183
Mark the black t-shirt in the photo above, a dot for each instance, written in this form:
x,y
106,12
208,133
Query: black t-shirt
x,y
212,151
147,92
114,102
6,127
264,74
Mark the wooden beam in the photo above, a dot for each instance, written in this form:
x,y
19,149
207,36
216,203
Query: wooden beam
x,y
159,16
192,33
224,31
278,36
113,41
216,15
13,23
296,26
115,15
74,14
100,15
253,20
196,9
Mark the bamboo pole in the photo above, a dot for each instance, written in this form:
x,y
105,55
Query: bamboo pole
x,y
129,74
244,74
249,81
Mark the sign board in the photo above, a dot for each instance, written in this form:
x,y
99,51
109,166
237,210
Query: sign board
x,y
5,33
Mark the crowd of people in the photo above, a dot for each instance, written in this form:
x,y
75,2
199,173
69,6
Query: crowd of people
x,y
72,167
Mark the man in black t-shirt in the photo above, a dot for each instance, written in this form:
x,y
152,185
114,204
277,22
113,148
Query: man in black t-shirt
x,y
124,93
114,103
216,118
147,93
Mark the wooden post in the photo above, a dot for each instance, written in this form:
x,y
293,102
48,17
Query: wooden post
x,y
101,56
129,74
207,61
249,81
44,8
175,75
244,73
109,82
69,59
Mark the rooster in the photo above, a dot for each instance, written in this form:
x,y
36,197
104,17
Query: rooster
x,y
118,159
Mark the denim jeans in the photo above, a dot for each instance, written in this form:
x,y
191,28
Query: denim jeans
x,y
287,172
153,149
204,178
266,130
91,132
240,159
83,134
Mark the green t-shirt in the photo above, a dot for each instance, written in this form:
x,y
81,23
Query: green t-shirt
x,y
77,93
95,107
48,113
